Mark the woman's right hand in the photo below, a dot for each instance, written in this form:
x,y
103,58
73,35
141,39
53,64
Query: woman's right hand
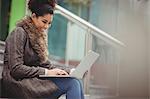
x,y
56,71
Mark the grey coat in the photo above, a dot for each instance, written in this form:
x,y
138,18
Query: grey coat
x,y
22,67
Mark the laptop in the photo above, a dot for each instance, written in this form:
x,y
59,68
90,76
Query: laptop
x,y
85,64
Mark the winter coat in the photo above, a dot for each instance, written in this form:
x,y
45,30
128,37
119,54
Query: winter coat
x,y
25,58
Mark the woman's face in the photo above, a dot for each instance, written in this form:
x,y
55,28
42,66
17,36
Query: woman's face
x,y
42,22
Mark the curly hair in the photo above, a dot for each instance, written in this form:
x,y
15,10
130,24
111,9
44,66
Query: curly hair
x,y
41,7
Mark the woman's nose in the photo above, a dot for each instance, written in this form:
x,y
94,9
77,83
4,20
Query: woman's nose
x,y
46,26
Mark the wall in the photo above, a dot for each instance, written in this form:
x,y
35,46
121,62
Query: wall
x,y
133,32
148,12
5,14
126,20
17,12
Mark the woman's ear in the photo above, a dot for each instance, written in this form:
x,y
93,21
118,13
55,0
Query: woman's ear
x,y
33,15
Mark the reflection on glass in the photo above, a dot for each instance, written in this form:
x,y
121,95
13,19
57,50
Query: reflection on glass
x,y
104,73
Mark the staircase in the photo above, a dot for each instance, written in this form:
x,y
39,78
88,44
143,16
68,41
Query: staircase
x,y
2,46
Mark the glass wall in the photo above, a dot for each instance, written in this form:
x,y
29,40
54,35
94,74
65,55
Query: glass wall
x,y
68,38
68,45
104,75
58,31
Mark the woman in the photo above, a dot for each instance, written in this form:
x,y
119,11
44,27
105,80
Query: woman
x,y
26,57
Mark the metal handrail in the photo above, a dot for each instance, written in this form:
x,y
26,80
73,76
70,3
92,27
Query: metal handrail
x,y
97,32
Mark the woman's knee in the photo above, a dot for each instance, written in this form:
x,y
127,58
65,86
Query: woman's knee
x,y
75,83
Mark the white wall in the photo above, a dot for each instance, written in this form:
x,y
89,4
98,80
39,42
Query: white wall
x,y
148,12
127,20
132,30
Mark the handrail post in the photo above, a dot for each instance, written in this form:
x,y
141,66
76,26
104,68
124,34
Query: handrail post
x,y
88,46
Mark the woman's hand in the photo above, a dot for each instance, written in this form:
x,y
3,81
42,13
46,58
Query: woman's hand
x,y
57,71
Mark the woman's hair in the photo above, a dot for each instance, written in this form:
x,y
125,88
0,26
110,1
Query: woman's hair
x,y
41,7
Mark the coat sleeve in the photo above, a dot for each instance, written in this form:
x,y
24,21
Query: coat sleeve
x,y
15,52
55,64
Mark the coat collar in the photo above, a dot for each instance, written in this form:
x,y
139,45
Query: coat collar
x,y
37,39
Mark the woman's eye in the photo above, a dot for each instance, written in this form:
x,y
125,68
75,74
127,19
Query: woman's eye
x,y
44,22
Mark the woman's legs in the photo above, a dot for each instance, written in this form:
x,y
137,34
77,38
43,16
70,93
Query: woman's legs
x,y
69,86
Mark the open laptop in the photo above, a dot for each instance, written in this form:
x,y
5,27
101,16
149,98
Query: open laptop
x,y
82,67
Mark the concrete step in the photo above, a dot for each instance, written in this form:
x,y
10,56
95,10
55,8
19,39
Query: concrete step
x,y
1,69
2,45
109,97
1,55
1,63
101,97
2,42
106,97
64,97
97,90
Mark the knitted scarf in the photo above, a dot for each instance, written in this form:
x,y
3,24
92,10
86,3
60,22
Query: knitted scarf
x,y
37,39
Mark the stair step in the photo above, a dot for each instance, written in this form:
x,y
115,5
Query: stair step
x,y
1,63
1,69
86,97
1,51
97,90
1,55
2,45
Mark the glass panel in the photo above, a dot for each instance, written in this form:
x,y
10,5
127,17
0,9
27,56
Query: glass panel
x,y
75,43
104,73
57,36
103,78
66,41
